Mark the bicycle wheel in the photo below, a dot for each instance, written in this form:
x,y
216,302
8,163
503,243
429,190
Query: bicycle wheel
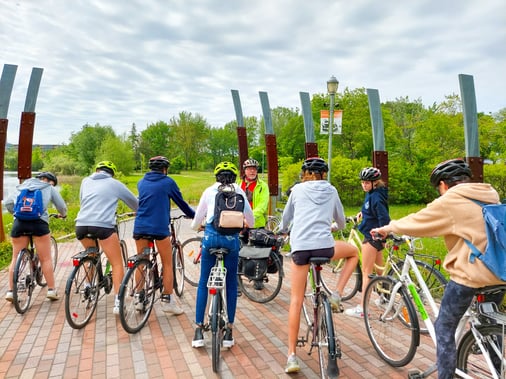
x,y
178,269
81,293
124,252
330,276
54,252
470,358
273,223
216,331
24,281
191,254
328,349
395,334
267,288
136,296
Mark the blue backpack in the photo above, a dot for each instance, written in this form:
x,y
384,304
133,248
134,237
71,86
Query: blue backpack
x,y
494,256
29,205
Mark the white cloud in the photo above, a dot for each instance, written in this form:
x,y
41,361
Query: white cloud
x,y
143,61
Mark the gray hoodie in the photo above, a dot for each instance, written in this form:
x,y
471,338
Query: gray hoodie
x,y
310,210
49,195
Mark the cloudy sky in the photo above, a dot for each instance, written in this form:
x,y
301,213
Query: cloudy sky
x,y
122,62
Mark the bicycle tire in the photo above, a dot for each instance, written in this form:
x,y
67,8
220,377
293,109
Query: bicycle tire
x,y
216,331
81,293
331,276
54,252
470,359
137,296
273,223
24,281
396,336
266,289
178,269
327,341
191,256
124,252
436,282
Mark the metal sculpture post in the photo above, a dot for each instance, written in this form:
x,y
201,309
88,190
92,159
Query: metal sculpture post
x,y
242,137
310,147
379,156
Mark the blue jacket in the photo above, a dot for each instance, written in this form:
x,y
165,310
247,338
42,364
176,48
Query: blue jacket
x,y
374,211
153,215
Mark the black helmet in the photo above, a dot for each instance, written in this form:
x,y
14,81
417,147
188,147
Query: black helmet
x,y
48,175
370,174
158,163
315,165
450,171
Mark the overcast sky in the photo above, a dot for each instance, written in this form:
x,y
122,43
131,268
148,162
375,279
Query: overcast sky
x,y
122,62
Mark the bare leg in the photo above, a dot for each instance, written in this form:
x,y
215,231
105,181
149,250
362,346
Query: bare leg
x,y
43,246
345,250
298,284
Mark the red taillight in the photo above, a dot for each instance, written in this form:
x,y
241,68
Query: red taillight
x,y
151,244
438,262
319,268
480,298
396,247
212,291
75,262
130,264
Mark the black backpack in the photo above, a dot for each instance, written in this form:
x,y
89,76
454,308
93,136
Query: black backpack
x,y
228,210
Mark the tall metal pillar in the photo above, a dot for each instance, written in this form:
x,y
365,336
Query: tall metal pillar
x,y
379,156
6,84
310,147
468,96
242,137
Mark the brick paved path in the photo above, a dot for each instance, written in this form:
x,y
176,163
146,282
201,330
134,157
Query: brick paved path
x,y
40,344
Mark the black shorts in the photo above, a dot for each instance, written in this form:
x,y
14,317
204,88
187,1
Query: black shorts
x,y
149,237
95,231
34,227
301,257
377,244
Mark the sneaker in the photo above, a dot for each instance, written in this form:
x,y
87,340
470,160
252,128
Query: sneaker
x,y
292,364
228,340
52,295
169,306
258,285
198,339
139,301
355,312
335,302
9,296
115,310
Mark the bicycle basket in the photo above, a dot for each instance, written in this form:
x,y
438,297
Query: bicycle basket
x,y
217,277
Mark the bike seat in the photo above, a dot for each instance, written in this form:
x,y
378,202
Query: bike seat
x,y
319,260
148,237
218,250
491,289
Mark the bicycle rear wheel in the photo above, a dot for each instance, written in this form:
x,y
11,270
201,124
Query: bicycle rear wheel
x,y
330,276
328,346
81,293
395,335
191,256
216,331
178,269
124,252
54,252
470,358
266,288
137,296
24,281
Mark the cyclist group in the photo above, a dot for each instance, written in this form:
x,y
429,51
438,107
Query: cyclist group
x,y
311,210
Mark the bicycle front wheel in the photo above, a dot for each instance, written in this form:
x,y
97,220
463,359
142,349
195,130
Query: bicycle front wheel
x,y
328,346
24,281
191,256
137,296
391,321
216,331
331,274
268,286
81,293
178,269
471,359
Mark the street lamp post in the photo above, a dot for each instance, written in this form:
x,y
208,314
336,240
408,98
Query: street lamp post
x,y
332,84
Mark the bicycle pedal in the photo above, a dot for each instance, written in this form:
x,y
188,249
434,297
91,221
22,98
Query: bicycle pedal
x,y
414,374
301,342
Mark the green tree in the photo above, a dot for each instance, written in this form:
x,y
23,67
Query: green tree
x,y
154,140
118,151
189,137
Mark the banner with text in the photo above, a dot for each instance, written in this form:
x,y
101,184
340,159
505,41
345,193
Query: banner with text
x,y
324,121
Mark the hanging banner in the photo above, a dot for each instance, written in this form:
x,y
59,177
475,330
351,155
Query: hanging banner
x,y
324,121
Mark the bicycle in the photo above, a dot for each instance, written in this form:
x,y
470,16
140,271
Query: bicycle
x,y
392,323
91,273
144,277
273,221
318,315
28,272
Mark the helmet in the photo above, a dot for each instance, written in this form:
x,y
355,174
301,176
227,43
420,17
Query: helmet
x,y
107,166
158,163
315,165
450,171
48,175
369,174
250,162
226,166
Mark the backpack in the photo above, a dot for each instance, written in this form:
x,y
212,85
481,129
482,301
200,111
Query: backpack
x,y
29,205
494,256
228,210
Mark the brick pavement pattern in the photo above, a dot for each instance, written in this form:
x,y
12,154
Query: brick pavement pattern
x,y
40,343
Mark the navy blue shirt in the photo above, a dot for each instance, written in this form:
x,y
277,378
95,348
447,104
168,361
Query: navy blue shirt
x,y
374,211
153,215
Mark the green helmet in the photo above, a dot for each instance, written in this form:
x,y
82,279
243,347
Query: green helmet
x,y
226,166
107,166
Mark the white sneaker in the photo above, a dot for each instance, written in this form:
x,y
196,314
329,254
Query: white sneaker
x,y
355,312
9,296
115,310
52,295
169,306
292,364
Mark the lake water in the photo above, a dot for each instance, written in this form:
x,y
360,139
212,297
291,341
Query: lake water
x,y
10,182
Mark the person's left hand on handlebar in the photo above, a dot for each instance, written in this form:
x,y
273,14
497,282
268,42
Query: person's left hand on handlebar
x,y
379,233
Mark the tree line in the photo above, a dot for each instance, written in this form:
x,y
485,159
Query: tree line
x,y
416,137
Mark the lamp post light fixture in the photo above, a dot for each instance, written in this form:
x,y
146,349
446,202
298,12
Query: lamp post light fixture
x,y
332,84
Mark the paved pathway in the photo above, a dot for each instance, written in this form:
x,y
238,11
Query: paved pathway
x,y
40,344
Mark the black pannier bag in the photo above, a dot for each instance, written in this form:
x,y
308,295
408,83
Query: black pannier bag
x,y
265,238
254,261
